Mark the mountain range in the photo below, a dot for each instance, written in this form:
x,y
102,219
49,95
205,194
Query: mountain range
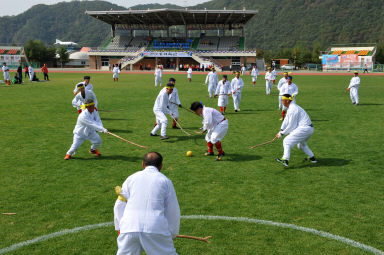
x,y
279,23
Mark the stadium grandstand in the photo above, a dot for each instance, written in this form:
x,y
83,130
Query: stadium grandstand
x,y
141,39
12,55
349,57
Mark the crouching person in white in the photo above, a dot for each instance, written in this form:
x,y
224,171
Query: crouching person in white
x,y
87,124
216,125
147,213
298,127
161,108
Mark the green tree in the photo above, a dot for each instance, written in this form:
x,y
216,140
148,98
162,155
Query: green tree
x,y
36,51
63,55
316,53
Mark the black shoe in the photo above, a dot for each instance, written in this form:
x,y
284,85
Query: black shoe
x,y
220,156
164,137
282,161
153,134
312,160
235,110
209,154
175,127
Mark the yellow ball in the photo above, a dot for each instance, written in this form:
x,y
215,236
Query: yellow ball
x,y
189,153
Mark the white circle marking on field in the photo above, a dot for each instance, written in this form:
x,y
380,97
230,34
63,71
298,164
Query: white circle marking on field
x,y
205,217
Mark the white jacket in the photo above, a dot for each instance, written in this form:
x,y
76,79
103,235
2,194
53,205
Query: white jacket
x,y
223,89
88,123
162,102
87,87
151,206
289,89
296,117
269,76
237,85
282,81
212,78
355,82
254,72
212,118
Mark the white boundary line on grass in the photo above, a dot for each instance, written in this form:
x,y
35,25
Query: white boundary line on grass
x,y
205,217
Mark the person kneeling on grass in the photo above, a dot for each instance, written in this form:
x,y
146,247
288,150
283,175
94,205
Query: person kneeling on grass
x,y
215,124
299,128
87,124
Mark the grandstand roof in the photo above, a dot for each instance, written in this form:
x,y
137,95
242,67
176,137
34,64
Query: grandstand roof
x,y
172,17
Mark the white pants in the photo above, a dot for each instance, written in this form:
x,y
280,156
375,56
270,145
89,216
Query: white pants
x,y
174,110
217,134
280,103
353,92
153,244
254,79
78,140
158,81
7,76
223,101
298,136
31,74
236,100
115,76
211,89
162,123
189,76
268,87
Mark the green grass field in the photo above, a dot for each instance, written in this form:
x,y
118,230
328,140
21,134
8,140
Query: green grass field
x,y
342,194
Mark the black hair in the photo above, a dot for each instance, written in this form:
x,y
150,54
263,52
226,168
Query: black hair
x,y
196,105
170,85
153,159
172,79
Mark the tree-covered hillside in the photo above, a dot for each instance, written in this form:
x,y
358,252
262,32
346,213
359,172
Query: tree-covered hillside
x,y
279,24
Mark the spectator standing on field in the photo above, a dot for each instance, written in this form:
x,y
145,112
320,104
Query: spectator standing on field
x,y
26,71
20,73
44,69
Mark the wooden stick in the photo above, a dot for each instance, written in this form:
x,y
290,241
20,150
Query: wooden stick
x,y
259,145
125,140
181,128
186,109
9,213
203,239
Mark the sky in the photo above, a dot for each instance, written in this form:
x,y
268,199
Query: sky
x,y
15,7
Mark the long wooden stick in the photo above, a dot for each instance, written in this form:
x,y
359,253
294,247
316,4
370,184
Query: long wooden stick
x,y
259,145
186,109
8,213
181,128
203,239
125,140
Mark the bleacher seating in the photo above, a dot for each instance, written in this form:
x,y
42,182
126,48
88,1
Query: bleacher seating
x,y
229,43
138,42
337,52
363,53
208,43
350,52
2,51
119,42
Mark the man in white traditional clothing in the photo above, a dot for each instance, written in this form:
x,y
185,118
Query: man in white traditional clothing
x,y
268,81
237,85
31,72
288,88
223,90
254,74
174,103
158,75
243,70
147,213
79,101
274,75
212,80
189,74
116,71
298,127
6,75
86,83
87,124
354,88
282,81
160,109
216,126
